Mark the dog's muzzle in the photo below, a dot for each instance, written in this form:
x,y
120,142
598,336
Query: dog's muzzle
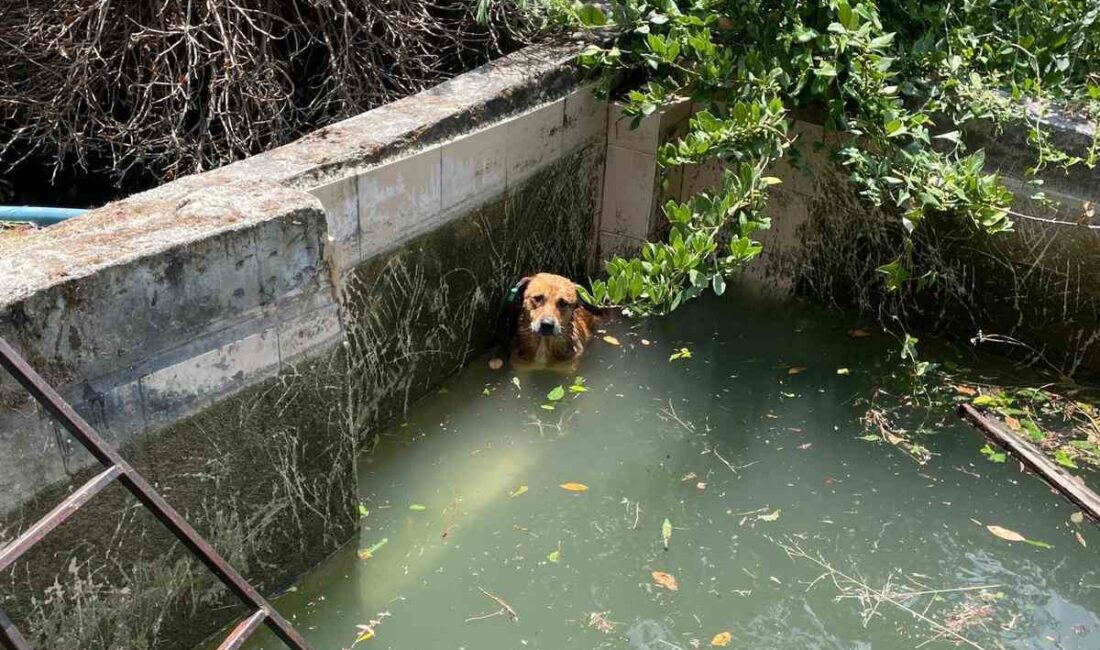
x,y
547,326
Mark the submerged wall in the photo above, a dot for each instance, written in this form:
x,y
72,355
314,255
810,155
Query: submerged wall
x,y
237,333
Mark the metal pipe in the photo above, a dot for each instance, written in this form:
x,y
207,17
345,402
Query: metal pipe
x,y
38,216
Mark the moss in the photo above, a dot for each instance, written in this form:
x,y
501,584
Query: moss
x,y
266,476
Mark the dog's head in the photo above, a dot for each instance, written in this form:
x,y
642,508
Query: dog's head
x,y
546,303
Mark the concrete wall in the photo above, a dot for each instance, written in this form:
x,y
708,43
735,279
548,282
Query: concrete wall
x,y
237,333
1038,286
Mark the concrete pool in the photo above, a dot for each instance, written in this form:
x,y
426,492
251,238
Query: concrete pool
x,y
762,474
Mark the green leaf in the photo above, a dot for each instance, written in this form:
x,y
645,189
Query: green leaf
x,y
591,16
556,394
718,284
416,507
880,42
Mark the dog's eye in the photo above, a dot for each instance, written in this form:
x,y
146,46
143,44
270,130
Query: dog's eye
x,y
562,303
538,300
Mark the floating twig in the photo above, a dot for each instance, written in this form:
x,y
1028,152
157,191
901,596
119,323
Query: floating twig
x,y
505,607
845,583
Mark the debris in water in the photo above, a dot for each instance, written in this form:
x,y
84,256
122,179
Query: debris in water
x,y
1013,536
721,640
368,553
611,340
794,370
772,516
666,532
416,507
599,621
682,353
858,333
518,491
496,363
574,487
666,580
505,608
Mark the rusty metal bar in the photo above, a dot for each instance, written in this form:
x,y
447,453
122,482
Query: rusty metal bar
x,y
10,636
140,488
243,630
57,516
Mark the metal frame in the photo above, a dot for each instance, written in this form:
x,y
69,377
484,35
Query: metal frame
x,y
118,469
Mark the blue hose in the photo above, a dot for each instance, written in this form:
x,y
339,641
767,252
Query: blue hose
x,y
37,216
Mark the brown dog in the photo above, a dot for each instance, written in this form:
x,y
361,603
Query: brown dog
x,y
552,326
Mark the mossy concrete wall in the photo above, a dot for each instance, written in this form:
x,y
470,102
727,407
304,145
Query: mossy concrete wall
x,y
236,334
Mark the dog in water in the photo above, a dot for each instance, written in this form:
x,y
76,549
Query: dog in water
x,y
550,324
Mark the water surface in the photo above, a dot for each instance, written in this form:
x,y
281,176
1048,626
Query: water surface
x,y
742,458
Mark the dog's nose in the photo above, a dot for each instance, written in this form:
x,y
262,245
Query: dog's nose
x,y
547,326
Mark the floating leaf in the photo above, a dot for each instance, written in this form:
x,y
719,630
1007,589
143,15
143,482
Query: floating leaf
x,y
574,487
1077,517
794,370
1080,539
645,341
518,491
578,386
556,394
721,640
611,340
515,382
1006,534
496,363
365,633
842,371
771,516
666,532
858,333
416,507
554,555
363,512
487,391
666,580
546,407
368,553
682,353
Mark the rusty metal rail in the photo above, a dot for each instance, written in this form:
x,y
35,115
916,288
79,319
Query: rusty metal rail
x,y
118,469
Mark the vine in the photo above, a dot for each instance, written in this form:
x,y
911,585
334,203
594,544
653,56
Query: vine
x,y
896,78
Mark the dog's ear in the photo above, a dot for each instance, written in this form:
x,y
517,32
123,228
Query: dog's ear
x,y
509,316
515,295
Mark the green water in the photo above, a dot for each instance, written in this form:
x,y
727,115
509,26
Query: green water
x,y
644,425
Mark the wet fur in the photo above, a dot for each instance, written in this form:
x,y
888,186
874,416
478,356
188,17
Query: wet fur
x,y
546,296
